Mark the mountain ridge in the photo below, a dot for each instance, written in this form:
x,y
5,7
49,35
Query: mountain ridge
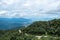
x,y
8,23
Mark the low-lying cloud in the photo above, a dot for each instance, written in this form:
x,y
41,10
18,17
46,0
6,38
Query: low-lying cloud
x,y
30,8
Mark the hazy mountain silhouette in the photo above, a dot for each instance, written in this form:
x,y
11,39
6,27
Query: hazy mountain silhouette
x,y
9,23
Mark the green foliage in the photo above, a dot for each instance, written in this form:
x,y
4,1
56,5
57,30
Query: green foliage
x,y
51,28
36,28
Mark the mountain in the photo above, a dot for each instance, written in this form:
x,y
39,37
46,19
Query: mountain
x,y
51,27
9,23
49,30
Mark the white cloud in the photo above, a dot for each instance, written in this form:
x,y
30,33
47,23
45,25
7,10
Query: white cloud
x,y
8,2
30,8
27,4
2,12
0,3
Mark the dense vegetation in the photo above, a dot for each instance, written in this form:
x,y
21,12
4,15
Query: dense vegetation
x,y
49,28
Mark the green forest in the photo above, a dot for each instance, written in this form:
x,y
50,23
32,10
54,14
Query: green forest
x,y
48,30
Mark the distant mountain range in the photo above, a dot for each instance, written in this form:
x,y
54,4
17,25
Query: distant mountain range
x,y
9,23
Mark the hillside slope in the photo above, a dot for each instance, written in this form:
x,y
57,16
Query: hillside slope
x,y
51,27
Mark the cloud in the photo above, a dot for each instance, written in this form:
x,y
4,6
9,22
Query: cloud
x,y
3,12
30,8
8,2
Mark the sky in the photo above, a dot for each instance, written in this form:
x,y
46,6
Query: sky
x,y
30,9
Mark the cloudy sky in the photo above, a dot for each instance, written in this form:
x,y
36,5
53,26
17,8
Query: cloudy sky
x,y
30,9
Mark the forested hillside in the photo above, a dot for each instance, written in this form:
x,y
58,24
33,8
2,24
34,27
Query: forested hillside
x,y
51,28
